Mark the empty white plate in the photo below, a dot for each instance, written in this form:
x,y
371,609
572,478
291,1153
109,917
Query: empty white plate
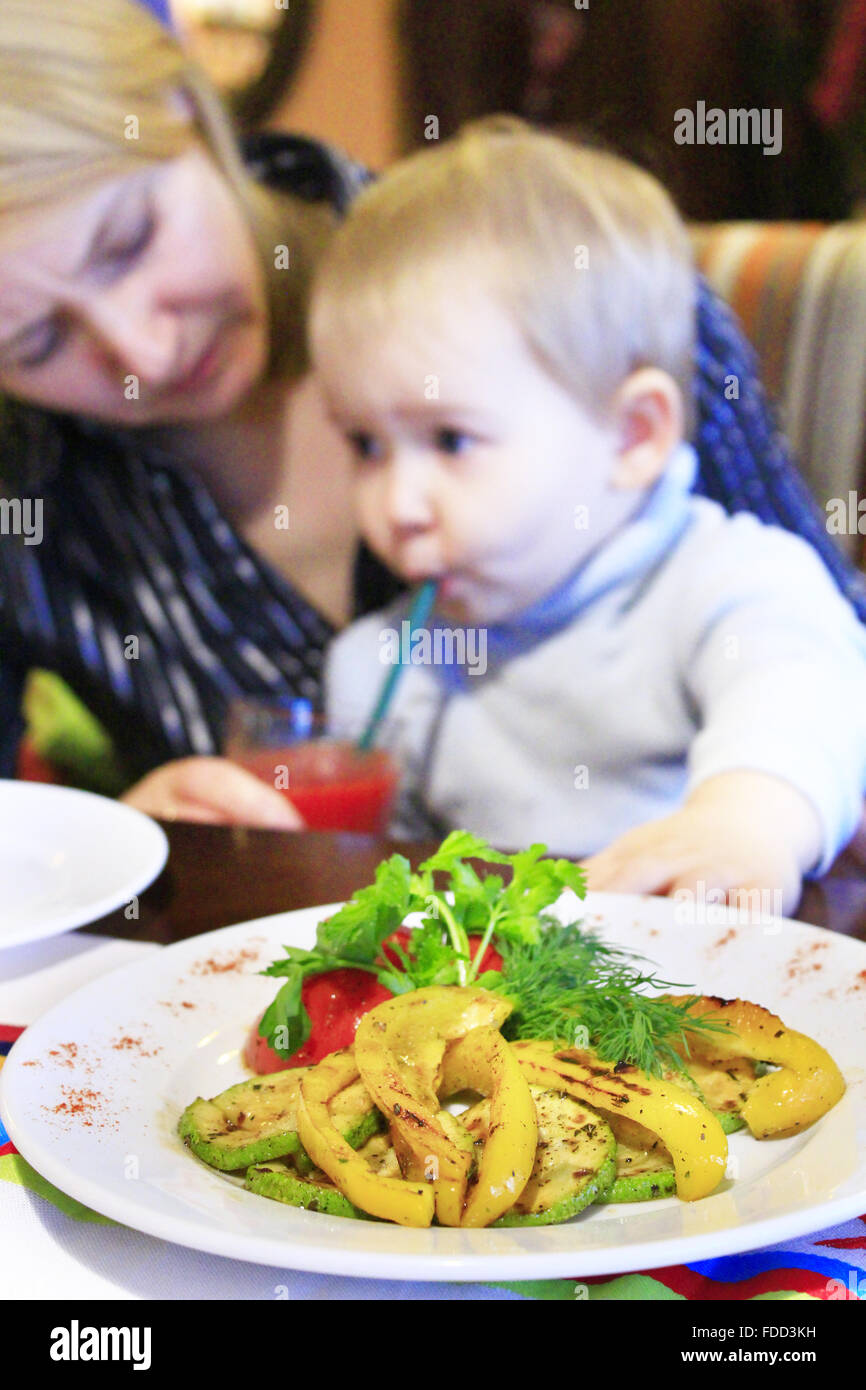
x,y
69,857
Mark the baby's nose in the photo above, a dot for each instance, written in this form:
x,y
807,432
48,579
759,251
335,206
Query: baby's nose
x,y
407,501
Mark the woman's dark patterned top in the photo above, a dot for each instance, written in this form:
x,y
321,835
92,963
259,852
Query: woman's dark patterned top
x,y
153,609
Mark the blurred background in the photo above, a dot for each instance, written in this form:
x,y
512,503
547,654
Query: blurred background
x,y
781,237
366,75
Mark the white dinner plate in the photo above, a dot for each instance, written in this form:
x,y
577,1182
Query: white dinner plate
x,y
92,1092
69,857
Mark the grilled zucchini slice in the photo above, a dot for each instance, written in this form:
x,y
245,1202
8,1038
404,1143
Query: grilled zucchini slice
x,y
307,1186
574,1160
644,1169
254,1121
725,1087
382,1157
313,1192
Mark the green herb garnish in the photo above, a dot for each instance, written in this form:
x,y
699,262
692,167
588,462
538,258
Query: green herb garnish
x,y
574,989
565,983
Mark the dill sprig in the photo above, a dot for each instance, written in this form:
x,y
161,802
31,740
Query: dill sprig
x,y
574,988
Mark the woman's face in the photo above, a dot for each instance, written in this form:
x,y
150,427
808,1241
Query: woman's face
x,y
139,302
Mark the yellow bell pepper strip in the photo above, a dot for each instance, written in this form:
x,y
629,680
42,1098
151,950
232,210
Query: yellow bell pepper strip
x,y
692,1135
483,1061
393,1199
448,1194
808,1082
399,1046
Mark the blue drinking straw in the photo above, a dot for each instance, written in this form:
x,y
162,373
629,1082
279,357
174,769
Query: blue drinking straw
x,y
419,612
161,10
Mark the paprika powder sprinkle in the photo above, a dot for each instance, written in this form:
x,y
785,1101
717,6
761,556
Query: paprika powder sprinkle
x,y
216,966
128,1044
84,1105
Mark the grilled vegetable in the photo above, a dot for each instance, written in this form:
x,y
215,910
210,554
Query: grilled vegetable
x,y
380,1156
493,991
574,1159
780,1103
644,1185
692,1135
394,1199
723,1086
399,1049
644,1169
313,1192
257,1120
483,1061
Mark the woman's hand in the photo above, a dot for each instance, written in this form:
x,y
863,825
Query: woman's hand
x,y
212,790
739,833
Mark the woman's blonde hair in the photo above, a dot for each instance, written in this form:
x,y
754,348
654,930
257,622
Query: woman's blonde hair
x,y
85,89
585,251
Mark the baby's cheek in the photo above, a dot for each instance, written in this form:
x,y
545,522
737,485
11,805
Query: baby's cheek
x,y
364,499
369,511
498,521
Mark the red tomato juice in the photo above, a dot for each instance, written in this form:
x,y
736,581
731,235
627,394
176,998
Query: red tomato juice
x,y
334,785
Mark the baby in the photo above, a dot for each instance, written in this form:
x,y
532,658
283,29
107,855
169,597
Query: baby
x,y
504,331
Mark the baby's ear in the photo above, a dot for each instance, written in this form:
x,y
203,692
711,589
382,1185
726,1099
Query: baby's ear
x,y
649,419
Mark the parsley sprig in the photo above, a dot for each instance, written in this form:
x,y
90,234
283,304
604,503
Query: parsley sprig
x,y
559,979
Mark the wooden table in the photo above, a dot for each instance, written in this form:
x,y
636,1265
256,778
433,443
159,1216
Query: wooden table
x,y
219,875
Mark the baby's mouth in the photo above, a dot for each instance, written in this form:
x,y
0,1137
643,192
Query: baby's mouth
x,y
457,591
446,585
417,576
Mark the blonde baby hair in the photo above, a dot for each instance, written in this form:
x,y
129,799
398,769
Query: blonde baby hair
x,y
586,251
74,74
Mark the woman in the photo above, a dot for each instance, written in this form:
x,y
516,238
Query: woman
x,y
151,351
132,239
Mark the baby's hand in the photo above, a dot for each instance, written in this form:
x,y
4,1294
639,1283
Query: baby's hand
x,y
212,790
738,832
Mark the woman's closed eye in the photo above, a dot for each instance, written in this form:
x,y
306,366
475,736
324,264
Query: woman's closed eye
x,y
120,256
129,248
53,337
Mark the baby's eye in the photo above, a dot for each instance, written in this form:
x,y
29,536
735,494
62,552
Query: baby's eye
x,y
451,441
364,446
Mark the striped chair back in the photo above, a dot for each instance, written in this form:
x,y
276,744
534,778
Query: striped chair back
x,y
799,290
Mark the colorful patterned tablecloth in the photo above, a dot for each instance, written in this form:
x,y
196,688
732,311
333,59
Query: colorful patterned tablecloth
x,y
53,1247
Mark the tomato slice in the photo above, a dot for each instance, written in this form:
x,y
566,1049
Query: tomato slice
x,y
402,936
491,960
336,1001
